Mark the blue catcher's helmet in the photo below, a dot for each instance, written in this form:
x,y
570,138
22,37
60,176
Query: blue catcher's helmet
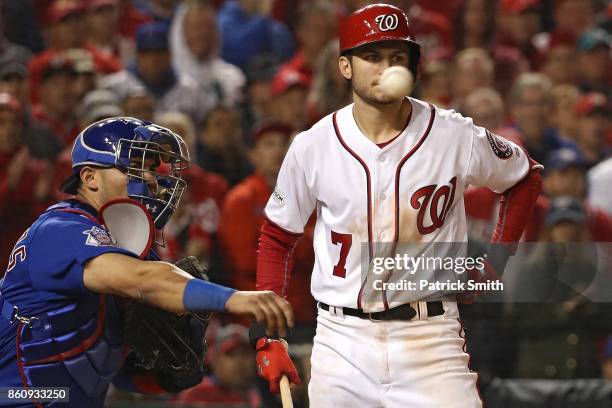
x,y
152,156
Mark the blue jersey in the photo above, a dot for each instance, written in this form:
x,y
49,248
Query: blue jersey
x,y
54,332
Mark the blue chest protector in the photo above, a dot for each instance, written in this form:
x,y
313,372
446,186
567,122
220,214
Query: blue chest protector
x,y
62,334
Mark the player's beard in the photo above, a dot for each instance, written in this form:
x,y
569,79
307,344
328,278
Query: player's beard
x,y
367,93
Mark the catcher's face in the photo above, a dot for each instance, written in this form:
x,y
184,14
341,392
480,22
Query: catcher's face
x,y
101,185
155,163
366,64
146,170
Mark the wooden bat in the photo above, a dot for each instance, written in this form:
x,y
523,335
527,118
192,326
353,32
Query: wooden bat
x,y
285,392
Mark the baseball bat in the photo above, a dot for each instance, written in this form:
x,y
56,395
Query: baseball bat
x,y
285,392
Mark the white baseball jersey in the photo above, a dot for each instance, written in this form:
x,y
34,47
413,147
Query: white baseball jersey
x,y
411,190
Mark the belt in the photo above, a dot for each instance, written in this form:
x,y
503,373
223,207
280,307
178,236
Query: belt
x,y
403,312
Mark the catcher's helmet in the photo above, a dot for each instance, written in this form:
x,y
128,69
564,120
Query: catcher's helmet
x,y
131,145
379,22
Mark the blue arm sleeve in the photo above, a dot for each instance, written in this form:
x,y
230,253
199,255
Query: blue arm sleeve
x,y
201,296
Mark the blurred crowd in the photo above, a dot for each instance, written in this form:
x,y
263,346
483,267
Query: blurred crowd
x,y
239,78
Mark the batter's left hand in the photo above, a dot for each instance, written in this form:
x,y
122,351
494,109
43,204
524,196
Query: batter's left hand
x,y
273,362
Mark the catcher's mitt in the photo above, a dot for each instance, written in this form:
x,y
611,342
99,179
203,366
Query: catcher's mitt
x,y
171,344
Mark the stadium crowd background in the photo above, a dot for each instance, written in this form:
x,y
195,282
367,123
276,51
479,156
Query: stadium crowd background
x,y
238,78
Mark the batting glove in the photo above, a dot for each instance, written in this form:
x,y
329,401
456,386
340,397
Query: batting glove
x,y
273,362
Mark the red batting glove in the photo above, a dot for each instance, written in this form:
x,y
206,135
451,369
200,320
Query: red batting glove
x,y
488,274
273,362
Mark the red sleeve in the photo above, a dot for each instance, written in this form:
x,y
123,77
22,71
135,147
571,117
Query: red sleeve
x,y
274,258
515,209
516,206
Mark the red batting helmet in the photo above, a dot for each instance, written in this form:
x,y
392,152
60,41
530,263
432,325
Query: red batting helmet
x,y
379,22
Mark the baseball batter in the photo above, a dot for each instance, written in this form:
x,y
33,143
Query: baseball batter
x,y
384,169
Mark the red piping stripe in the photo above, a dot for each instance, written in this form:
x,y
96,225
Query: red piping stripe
x,y
397,187
388,142
464,348
85,344
401,164
22,376
369,191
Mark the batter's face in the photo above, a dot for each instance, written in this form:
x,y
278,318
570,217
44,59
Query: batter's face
x,y
366,64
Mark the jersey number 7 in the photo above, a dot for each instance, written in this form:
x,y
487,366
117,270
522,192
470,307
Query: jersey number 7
x,y
345,241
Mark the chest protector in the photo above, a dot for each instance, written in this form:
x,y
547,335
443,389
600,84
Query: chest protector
x,y
80,344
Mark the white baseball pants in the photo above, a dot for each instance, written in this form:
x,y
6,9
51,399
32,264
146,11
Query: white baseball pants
x,y
392,364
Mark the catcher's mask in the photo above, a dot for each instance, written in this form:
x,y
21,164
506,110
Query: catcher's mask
x,y
152,156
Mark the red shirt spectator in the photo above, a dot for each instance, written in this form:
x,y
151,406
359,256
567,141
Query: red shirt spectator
x,y
233,370
65,21
209,393
241,221
481,206
130,18
433,31
193,228
25,183
57,98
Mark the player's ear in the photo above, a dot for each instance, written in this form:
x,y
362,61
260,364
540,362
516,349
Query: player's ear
x,y
344,64
89,178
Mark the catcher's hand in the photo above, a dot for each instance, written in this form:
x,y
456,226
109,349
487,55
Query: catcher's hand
x,y
171,344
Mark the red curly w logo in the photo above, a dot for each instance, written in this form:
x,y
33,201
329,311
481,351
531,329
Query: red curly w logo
x,y
430,198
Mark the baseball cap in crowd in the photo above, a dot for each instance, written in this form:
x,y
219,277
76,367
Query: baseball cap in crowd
x,y
518,6
261,68
271,126
563,158
152,36
594,39
61,9
99,104
592,102
286,79
13,68
565,208
231,337
57,65
81,59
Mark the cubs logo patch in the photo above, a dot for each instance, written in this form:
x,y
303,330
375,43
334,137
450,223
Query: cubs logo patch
x,y
501,147
278,196
99,237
